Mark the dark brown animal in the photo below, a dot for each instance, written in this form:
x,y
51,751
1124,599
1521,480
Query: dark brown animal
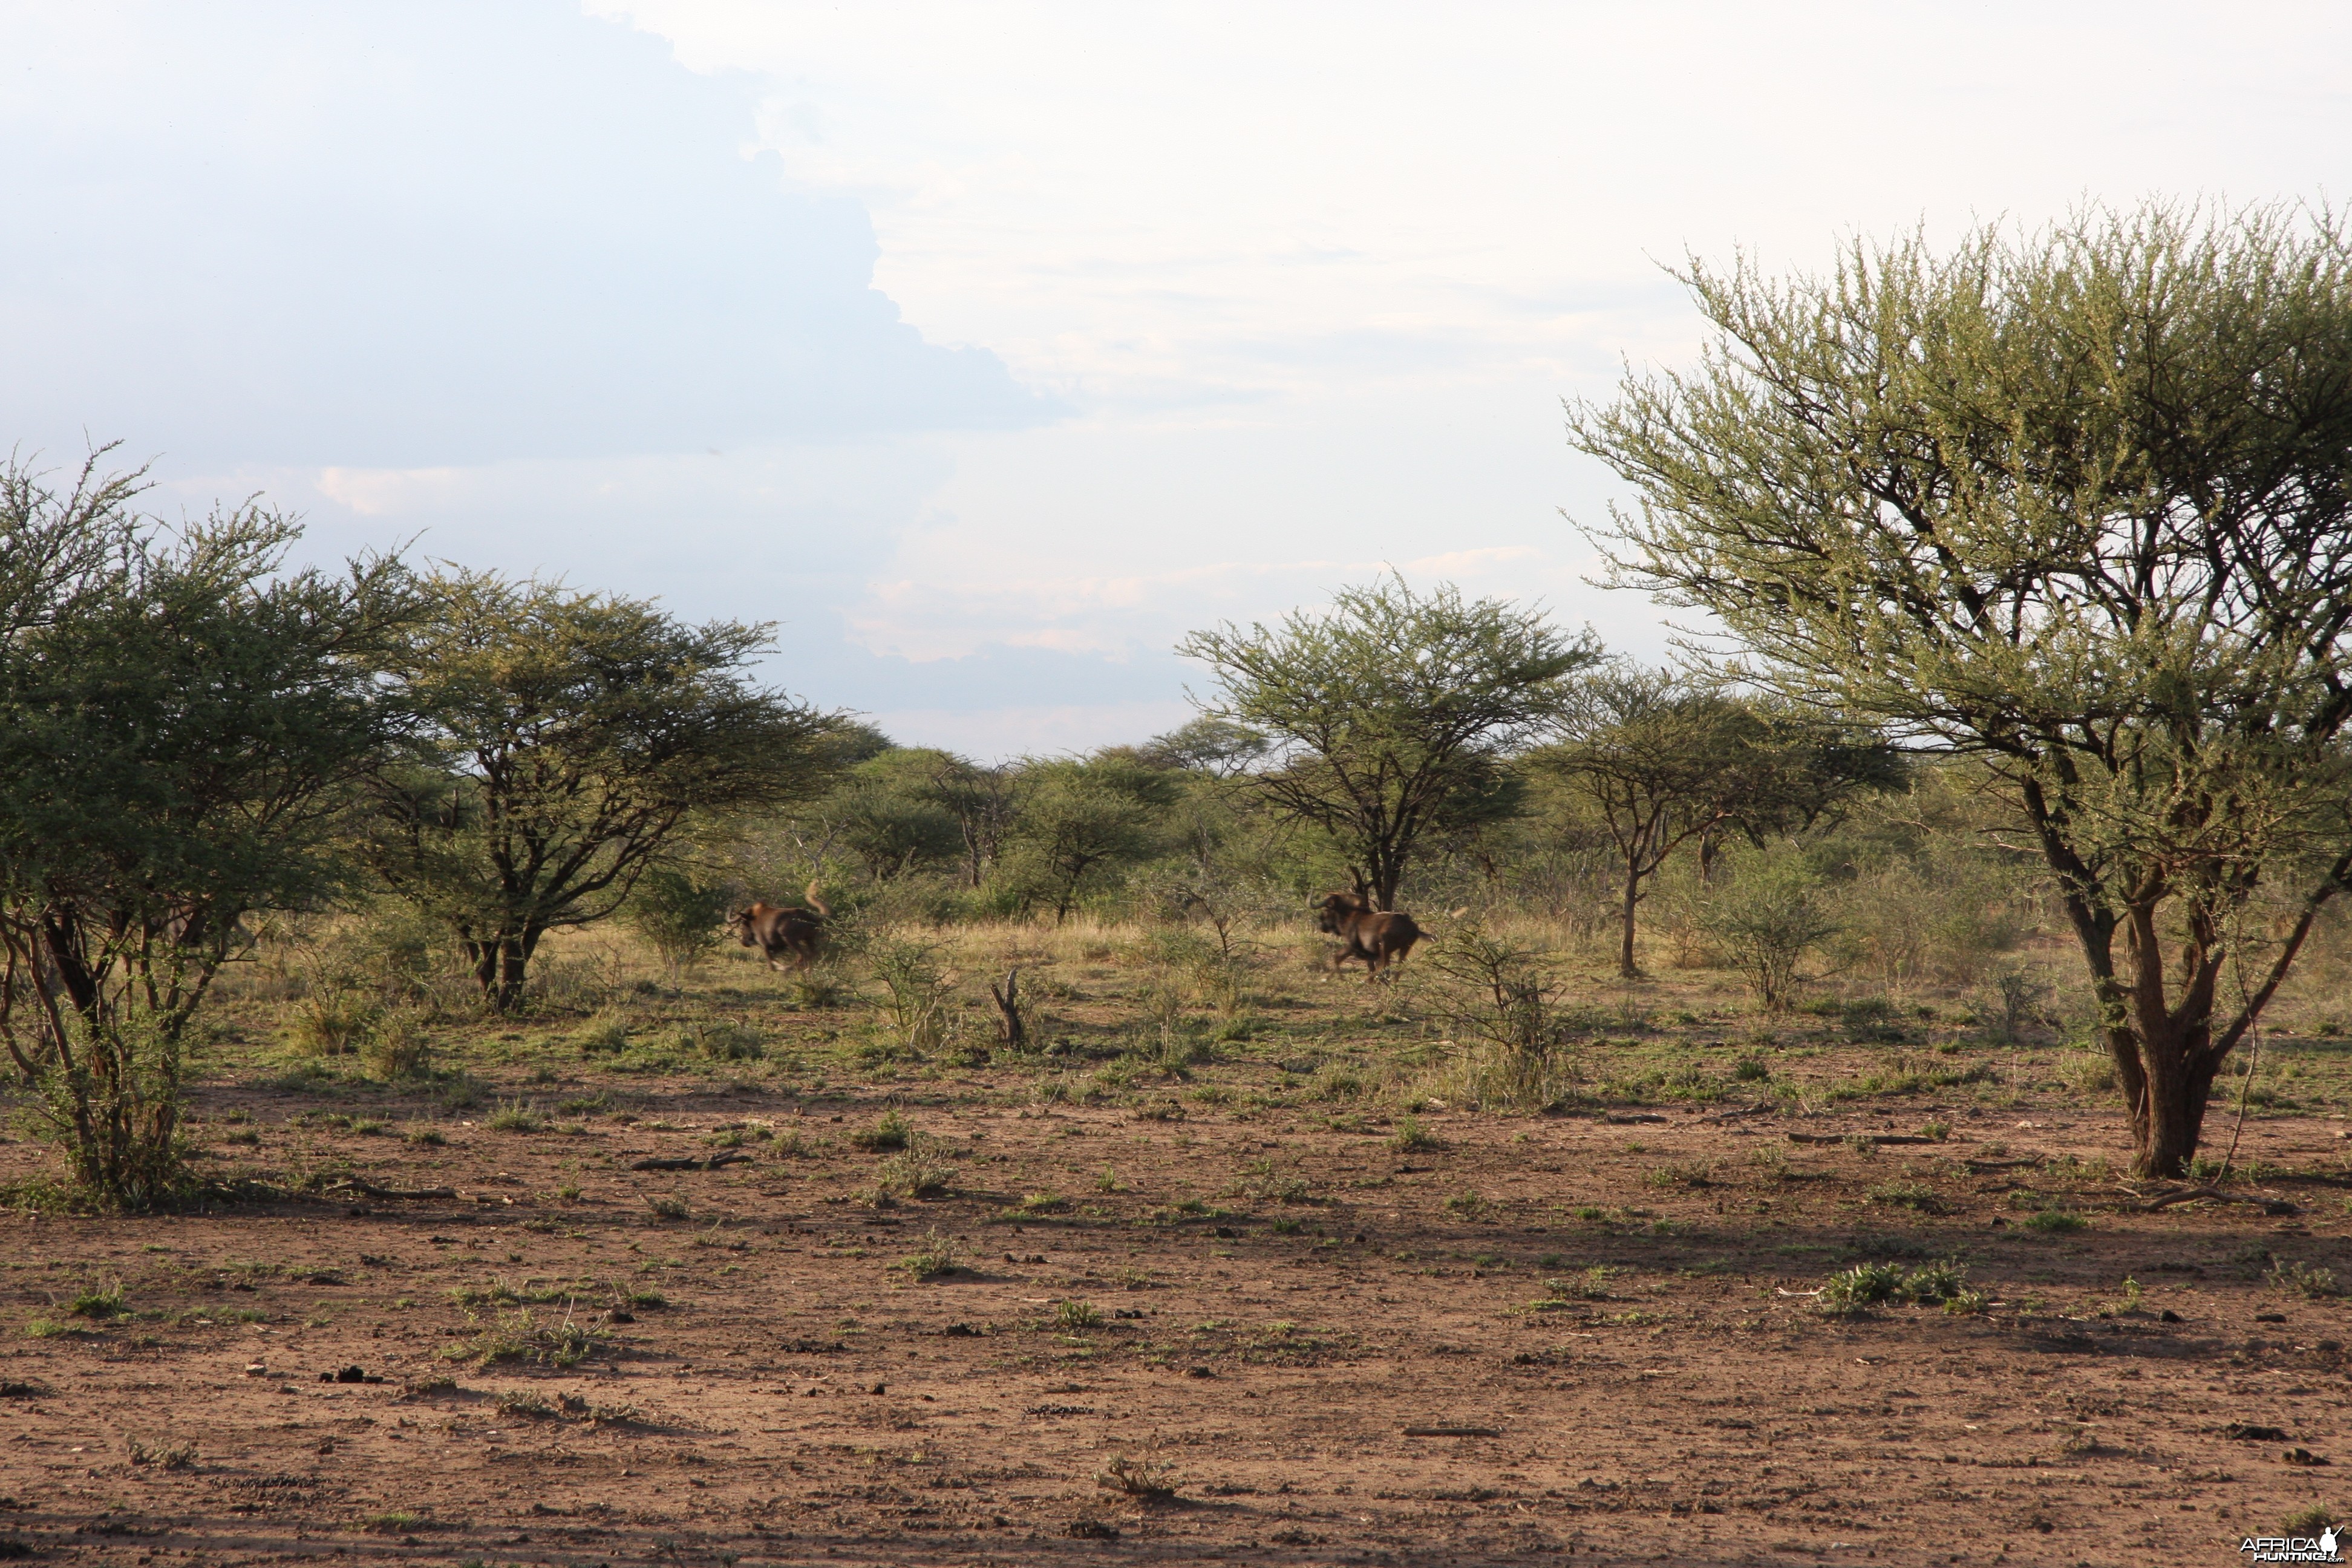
x,y
785,932
1378,937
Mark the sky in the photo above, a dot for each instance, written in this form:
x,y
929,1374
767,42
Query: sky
x,y
988,348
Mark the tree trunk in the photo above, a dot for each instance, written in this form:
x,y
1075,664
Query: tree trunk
x,y
501,963
1626,968
2167,1105
514,960
484,958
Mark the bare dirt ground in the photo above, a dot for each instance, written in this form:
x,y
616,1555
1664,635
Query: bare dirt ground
x,y
1260,1305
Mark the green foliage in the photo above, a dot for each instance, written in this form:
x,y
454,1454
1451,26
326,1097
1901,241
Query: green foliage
x,y
1865,1285
2070,502
517,1116
921,1170
1387,717
938,1257
109,1095
1496,991
678,914
1859,1287
179,720
1411,1138
890,1133
918,998
2304,1278
102,1300
1766,919
1082,823
1660,760
893,812
524,1336
568,739
396,1050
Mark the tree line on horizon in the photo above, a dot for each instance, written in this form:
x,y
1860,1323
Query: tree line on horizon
x,y
2056,523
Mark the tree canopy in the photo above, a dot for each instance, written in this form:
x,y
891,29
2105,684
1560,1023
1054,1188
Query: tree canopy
x,y
181,723
565,738
2076,502
1389,715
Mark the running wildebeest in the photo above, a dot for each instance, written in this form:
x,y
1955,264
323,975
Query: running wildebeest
x,y
1378,937
779,932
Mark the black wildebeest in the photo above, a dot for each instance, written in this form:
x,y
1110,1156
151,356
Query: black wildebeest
x,y
1378,937
786,930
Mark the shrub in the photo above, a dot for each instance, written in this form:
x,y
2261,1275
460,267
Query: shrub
x,y
517,1116
523,1336
109,1097
1076,1317
607,1031
821,985
333,1020
890,1132
1411,1137
1870,1020
1766,920
920,1170
1496,992
1492,1078
1935,1284
1142,1478
917,995
1915,1196
164,1455
723,1042
2087,1072
937,1257
678,915
1859,1287
2306,1279
396,1050
98,1301
2057,1222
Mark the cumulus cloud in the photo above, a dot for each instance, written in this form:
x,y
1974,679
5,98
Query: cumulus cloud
x,y
430,233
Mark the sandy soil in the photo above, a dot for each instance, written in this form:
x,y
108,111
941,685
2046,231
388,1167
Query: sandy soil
x,y
1263,1312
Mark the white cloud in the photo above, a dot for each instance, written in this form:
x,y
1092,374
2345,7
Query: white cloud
x,y
1308,280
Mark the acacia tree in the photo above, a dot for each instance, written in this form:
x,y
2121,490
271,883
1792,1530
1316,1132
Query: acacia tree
x,y
2079,503
567,739
1660,762
885,813
1081,820
1389,715
181,721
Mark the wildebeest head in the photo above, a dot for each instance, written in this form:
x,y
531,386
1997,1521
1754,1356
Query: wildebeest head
x,y
1339,912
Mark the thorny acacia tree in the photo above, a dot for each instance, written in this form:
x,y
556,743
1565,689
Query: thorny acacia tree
x,y
1660,762
567,738
1390,714
180,722
1082,820
2080,503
